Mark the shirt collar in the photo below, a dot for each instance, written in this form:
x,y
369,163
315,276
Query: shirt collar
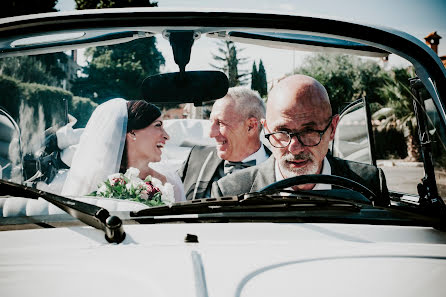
x,y
260,156
326,169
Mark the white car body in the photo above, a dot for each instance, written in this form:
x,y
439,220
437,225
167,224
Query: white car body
x,y
239,259
191,254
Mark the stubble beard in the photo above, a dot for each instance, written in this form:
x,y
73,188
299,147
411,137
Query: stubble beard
x,y
287,171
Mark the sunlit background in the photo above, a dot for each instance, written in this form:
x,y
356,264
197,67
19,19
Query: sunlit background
x,y
418,18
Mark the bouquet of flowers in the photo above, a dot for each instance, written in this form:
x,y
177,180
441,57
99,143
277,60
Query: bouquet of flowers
x,y
129,186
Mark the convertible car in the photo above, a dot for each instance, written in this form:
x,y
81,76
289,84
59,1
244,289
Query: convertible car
x,y
274,242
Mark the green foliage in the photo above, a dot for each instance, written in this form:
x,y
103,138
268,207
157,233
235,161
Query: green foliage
x,y
258,79
25,69
263,84
346,78
397,91
41,69
126,187
254,77
400,114
17,7
32,95
10,90
81,109
229,63
52,101
118,70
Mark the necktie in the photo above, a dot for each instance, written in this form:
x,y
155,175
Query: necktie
x,y
233,166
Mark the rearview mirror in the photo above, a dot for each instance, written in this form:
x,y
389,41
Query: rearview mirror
x,y
188,87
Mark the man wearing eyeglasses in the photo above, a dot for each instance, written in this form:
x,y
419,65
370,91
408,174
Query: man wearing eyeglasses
x,y
299,126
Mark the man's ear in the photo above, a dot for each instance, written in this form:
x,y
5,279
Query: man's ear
x,y
334,124
253,124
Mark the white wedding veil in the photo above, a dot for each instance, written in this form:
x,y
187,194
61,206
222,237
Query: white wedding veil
x,y
99,151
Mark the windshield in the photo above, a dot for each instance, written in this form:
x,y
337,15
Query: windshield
x,y
72,125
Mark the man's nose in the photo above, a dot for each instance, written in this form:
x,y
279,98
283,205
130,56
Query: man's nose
x,y
213,132
295,147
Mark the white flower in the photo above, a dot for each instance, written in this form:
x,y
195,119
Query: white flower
x,y
157,183
167,194
102,190
113,177
132,173
130,186
134,183
144,195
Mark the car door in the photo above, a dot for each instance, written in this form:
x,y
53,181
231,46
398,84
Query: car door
x,y
354,137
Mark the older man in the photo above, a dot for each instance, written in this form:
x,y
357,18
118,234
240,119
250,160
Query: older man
x,y
236,127
299,125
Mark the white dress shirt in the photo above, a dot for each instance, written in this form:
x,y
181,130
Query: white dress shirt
x,y
326,169
260,156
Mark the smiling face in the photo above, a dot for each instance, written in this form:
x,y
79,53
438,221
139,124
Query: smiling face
x,y
231,131
146,144
298,104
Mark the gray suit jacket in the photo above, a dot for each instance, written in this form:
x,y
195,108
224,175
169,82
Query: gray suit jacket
x,y
200,169
257,177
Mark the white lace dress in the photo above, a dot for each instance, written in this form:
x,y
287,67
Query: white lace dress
x,y
172,178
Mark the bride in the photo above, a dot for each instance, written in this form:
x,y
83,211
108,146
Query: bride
x,y
119,134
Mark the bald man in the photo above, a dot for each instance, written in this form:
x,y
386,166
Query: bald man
x,y
299,125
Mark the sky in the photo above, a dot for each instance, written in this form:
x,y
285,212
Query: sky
x,y
416,17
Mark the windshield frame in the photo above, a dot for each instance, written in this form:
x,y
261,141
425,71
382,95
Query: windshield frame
x,y
427,65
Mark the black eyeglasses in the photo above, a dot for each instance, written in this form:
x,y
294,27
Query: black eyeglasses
x,y
310,138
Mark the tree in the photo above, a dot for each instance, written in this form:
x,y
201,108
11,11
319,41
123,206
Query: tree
x,y
258,79
254,77
262,82
42,69
347,78
25,69
118,70
21,7
230,62
401,115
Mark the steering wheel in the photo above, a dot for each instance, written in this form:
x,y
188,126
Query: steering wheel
x,y
322,179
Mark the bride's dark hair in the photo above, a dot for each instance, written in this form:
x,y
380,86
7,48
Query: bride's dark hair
x,y
140,115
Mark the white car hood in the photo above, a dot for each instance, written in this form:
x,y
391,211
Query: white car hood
x,y
246,259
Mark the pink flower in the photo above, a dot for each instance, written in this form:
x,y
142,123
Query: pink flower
x,y
117,181
144,195
151,189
